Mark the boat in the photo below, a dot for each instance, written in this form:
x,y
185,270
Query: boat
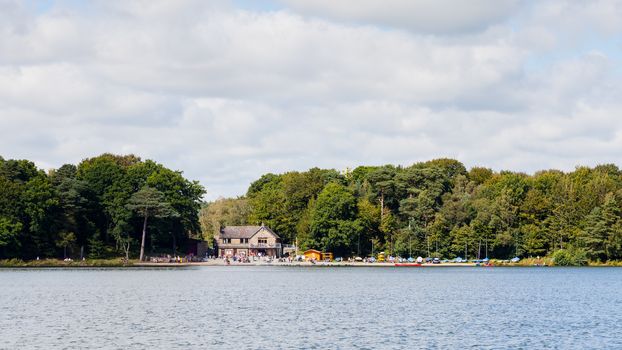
x,y
487,263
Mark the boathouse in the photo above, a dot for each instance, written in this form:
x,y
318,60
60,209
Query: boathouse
x,y
248,241
312,254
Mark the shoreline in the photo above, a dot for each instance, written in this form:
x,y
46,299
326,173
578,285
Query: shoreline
x,y
300,264
120,263
52,264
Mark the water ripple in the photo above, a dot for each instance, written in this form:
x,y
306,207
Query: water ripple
x,y
294,308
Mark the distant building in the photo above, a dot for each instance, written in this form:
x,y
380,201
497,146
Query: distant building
x,y
313,254
248,241
197,247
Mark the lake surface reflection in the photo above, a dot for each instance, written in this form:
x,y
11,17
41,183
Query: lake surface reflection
x,y
312,308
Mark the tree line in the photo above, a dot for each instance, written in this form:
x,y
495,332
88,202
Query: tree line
x,y
436,208
108,205
99,208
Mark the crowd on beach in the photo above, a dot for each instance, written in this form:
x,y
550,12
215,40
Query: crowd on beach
x,y
255,259
240,259
175,259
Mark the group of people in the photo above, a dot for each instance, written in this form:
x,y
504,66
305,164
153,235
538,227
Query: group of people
x,y
171,259
254,258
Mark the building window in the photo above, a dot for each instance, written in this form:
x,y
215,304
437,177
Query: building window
x,y
243,240
262,240
226,240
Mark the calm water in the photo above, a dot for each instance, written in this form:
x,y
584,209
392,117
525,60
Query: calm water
x,y
317,308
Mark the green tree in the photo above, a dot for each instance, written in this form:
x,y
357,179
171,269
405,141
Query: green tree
x,y
368,216
463,241
223,212
480,175
534,240
332,225
184,196
65,239
268,205
383,187
602,230
9,234
27,205
149,202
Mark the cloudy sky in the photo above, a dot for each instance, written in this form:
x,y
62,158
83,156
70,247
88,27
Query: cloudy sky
x,y
228,90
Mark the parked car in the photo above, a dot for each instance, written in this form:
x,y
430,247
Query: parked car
x,y
436,261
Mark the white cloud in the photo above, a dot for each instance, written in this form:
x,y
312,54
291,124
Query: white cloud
x,y
227,94
428,16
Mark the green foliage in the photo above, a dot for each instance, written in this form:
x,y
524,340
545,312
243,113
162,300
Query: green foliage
x,y
9,232
27,205
333,225
600,237
149,202
280,201
435,207
65,240
268,203
382,186
480,175
570,257
97,248
223,212
90,200
118,262
441,208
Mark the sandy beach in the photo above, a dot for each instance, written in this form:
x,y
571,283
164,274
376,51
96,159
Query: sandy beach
x,y
220,262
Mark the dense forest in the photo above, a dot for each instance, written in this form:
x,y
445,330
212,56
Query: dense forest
x,y
95,209
435,208
101,207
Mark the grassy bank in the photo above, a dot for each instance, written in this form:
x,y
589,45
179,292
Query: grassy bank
x,y
117,262
548,261
525,262
607,263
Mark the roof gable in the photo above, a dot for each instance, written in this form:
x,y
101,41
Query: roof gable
x,y
244,231
265,229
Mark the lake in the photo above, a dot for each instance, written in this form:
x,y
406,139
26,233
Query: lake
x,y
312,308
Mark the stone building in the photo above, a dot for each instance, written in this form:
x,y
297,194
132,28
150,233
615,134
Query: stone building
x,y
248,241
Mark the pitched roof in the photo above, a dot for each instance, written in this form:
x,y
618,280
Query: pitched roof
x,y
243,231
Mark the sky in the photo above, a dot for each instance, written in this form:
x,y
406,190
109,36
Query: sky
x,y
226,91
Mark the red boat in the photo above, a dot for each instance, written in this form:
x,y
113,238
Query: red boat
x,y
408,264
